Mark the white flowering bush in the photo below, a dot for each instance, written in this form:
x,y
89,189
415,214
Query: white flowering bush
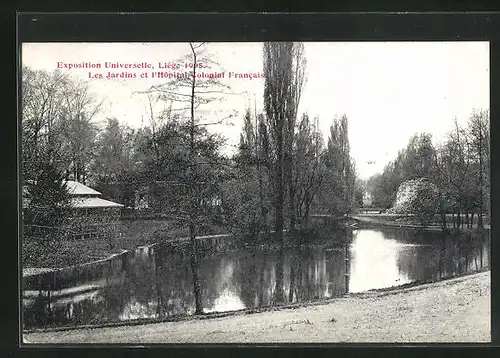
x,y
418,197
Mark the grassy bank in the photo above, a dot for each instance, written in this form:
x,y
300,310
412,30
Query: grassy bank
x,y
56,253
455,310
60,252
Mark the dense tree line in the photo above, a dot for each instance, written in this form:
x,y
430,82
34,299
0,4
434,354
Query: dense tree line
x,y
282,159
459,166
322,177
281,173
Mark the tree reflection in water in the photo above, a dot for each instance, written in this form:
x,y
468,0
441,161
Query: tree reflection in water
x,y
159,284
280,277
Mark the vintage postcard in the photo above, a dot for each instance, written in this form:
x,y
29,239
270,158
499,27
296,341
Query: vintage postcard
x,y
286,192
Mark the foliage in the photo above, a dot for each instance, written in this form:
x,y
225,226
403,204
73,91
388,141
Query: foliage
x,y
338,189
414,162
57,114
308,168
284,70
418,197
198,166
459,167
47,196
246,196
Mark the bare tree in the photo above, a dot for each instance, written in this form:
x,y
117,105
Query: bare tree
x,y
42,105
57,114
190,91
479,139
79,128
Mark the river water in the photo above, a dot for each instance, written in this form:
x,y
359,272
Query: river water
x,y
157,283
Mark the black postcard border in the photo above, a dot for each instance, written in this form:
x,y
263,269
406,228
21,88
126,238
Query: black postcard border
x,y
255,27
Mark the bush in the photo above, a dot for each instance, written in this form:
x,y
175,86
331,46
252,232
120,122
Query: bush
x,y
419,197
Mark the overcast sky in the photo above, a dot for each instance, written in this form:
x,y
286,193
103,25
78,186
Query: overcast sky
x,y
388,91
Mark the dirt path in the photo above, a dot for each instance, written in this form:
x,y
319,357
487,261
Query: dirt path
x,y
456,310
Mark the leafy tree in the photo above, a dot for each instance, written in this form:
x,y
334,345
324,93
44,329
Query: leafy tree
x,y
284,78
338,190
246,198
415,161
115,171
418,160
79,138
47,196
359,192
309,170
459,167
283,65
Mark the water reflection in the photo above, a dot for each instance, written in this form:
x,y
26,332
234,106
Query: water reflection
x,y
374,261
158,283
227,301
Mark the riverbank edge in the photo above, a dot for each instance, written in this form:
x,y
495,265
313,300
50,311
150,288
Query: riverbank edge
x,y
371,223
412,286
178,240
363,224
113,256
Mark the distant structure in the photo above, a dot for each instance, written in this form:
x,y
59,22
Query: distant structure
x,y
367,199
86,202
87,214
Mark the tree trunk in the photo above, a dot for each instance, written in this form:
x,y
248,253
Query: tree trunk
x,y
347,261
480,218
293,218
288,174
263,215
443,213
306,214
444,224
279,191
192,202
84,175
194,269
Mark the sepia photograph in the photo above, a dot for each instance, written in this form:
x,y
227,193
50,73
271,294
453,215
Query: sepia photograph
x,y
255,192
